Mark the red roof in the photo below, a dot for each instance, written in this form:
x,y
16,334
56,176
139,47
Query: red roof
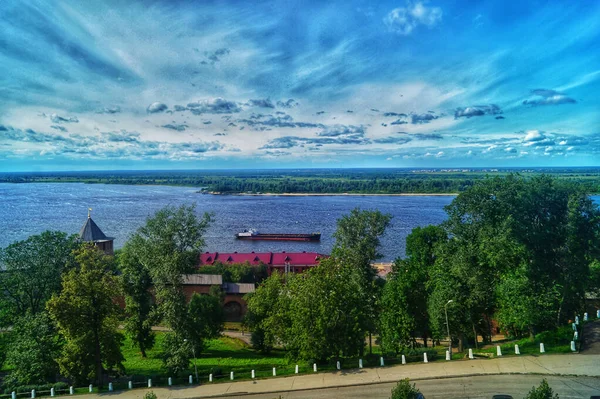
x,y
267,258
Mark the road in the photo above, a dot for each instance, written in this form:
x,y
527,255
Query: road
x,y
592,338
464,387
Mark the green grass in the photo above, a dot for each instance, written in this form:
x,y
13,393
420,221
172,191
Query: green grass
x,y
558,341
220,356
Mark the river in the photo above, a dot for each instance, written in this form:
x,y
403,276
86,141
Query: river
x,y
27,209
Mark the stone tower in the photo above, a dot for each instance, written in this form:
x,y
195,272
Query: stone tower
x,y
90,232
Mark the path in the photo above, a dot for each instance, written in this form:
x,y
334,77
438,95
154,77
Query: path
x,y
569,364
591,336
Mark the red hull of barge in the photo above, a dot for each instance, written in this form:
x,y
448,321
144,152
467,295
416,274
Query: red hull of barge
x,y
281,237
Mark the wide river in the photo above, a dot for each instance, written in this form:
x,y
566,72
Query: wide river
x,y
31,208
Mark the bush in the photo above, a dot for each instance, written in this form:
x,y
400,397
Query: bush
x,y
405,391
542,392
560,336
150,395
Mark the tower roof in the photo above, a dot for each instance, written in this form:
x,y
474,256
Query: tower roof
x,y
91,232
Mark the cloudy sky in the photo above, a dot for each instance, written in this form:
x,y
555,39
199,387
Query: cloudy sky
x,y
258,84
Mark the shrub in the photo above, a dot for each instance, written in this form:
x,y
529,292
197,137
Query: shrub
x,y
405,391
150,395
542,392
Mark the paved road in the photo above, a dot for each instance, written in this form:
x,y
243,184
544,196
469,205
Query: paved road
x,y
592,338
471,387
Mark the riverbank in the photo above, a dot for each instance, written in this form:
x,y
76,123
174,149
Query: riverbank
x,y
337,194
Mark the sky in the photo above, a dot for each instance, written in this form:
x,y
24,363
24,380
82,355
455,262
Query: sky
x,y
94,85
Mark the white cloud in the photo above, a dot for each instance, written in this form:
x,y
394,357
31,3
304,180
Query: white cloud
x,y
534,135
403,20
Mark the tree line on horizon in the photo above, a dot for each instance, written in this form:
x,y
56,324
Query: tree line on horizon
x,y
377,181
521,251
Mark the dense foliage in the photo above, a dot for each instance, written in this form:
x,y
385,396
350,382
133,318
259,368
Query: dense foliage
x,y
88,318
382,181
403,390
32,272
326,312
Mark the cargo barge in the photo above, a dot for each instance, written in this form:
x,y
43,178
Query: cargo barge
x,y
255,235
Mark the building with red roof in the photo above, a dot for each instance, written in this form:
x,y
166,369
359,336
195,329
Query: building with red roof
x,y
296,261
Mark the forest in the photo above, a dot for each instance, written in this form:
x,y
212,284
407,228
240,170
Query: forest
x,y
311,181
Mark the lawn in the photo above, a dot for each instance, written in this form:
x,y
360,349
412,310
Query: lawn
x,y
558,341
220,357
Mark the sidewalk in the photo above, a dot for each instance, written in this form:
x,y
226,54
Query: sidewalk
x,y
571,364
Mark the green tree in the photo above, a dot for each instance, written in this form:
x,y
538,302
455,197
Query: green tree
x,y
88,318
543,226
263,315
403,390
357,245
396,323
32,270
543,391
166,248
206,318
326,312
139,307
34,347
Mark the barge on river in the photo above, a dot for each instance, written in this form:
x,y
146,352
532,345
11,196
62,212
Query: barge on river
x,y
255,235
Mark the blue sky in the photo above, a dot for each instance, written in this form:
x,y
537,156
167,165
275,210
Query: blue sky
x,y
251,84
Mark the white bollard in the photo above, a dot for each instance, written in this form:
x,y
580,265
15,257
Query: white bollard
x,y
296,369
542,350
315,367
470,353
517,351
447,355
52,391
575,336
190,379
598,314
381,361
13,395
210,377
149,382
274,372
338,365
231,376
585,316
110,387
33,393
91,388
403,359
574,327
425,357
253,374
577,320
170,381
130,385
573,349
71,391
498,350
360,363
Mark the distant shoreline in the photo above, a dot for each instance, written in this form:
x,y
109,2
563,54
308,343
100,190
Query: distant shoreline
x,y
338,194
